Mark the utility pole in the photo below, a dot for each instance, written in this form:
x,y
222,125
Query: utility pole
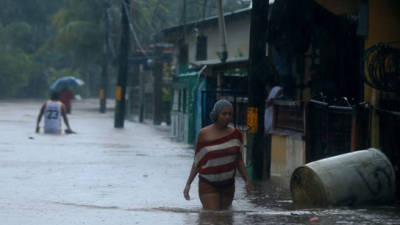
x,y
133,82
204,9
120,103
224,53
183,19
157,82
106,53
256,91
183,47
141,97
222,31
133,78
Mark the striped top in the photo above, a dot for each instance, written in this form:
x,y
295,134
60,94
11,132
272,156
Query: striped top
x,y
217,160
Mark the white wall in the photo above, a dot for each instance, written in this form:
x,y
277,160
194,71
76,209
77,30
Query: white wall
x,y
238,36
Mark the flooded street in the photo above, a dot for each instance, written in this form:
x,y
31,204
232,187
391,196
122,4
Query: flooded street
x,y
135,175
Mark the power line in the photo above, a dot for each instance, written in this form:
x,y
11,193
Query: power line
x,y
138,44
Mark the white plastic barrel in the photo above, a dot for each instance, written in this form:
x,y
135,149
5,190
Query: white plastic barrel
x,y
354,178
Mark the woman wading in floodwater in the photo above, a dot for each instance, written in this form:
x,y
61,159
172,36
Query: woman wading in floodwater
x,y
218,155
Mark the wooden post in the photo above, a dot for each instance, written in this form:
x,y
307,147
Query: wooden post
x,y
106,53
222,32
157,82
256,91
120,103
141,97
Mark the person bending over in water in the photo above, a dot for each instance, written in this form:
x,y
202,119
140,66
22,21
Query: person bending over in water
x,y
52,110
218,155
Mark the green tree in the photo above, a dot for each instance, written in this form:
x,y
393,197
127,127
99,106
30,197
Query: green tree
x,y
24,27
44,39
79,38
18,35
16,70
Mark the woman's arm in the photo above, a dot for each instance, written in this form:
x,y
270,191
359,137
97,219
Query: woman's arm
x,y
40,117
64,115
243,172
194,170
192,175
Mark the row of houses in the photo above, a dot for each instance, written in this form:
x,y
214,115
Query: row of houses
x,y
340,97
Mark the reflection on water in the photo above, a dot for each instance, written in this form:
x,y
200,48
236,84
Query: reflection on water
x,y
222,218
273,193
270,203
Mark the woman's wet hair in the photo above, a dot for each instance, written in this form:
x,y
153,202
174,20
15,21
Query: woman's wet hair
x,y
218,106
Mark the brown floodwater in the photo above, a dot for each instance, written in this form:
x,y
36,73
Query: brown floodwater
x,y
135,175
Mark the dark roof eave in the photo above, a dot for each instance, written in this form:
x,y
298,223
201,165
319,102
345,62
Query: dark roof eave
x,y
206,21
216,64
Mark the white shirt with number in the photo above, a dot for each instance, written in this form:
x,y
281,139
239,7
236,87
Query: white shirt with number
x,y
52,117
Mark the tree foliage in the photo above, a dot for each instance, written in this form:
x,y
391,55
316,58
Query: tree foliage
x,y
41,40
17,69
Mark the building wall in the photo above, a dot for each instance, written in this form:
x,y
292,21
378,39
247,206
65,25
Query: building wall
x,y
238,33
339,7
278,155
287,153
183,123
384,26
